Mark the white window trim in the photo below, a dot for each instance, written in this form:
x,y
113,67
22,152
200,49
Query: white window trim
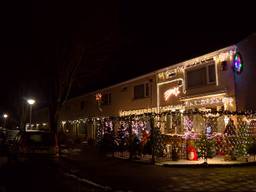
x,y
207,74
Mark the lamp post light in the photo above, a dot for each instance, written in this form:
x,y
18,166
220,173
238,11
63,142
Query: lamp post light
x,y
31,102
5,116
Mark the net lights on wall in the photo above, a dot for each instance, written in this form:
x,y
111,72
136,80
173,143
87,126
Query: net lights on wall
x,y
153,110
137,112
227,101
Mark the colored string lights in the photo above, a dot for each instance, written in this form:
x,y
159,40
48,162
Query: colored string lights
x,y
238,63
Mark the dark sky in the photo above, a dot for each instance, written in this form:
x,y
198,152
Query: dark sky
x,y
122,40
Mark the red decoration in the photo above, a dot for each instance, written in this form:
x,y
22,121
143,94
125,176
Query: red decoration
x,y
192,154
98,96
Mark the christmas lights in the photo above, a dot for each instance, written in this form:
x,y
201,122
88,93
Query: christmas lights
x,y
137,111
226,120
152,110
218,56
166,82
238,63
224,56
173,91
209,100
98,96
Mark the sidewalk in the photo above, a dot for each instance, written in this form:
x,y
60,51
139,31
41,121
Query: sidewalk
x,y
128,175
217,161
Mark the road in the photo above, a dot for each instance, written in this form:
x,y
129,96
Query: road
x,y
38,176
46,176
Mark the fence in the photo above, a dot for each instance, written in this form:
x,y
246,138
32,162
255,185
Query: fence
x,y
190,135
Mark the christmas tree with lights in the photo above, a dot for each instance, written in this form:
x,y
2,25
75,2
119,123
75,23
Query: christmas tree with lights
x,y
122,138
108,137
205,147
230,141
99,133
159,146
243,139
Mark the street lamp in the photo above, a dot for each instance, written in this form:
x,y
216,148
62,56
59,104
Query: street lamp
x,y
5,116
31,102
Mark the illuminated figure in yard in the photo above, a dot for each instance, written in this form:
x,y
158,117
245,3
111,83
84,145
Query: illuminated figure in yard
x,y
191,151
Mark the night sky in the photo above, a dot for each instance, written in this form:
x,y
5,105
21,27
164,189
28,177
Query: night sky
x,y
122,40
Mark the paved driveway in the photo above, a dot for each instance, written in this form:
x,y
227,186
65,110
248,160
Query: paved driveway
x,y
211,179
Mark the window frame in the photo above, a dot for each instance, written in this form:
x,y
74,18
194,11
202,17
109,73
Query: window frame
x,y
208,76
146,90
195,69
207,83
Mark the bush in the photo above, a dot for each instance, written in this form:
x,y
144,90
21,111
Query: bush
x,y
252,148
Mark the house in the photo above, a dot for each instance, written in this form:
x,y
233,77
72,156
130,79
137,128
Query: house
x,y
220,80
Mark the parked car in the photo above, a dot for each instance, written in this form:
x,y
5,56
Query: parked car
x,y
30,145
2,143
11,135
2,138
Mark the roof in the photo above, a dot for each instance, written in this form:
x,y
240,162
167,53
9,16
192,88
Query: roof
x,y
193,60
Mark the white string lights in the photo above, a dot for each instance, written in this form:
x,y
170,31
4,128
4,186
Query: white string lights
x,y
137,111
224,56
173,91
226,101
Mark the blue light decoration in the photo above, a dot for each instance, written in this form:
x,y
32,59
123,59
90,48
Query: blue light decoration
x,y
238,63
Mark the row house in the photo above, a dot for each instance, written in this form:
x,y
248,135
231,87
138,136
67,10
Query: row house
x,y
220,80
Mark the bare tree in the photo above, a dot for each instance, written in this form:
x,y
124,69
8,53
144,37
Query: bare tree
x,y
63,72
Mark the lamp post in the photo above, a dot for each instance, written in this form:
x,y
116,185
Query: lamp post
x,y
5,116
31,102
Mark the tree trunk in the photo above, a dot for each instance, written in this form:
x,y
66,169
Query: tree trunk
x,y
152,124
23,117
53,125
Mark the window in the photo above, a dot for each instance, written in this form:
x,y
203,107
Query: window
x,y
141,91
224,66
173,124
200,77
146,89
211,74
196,78
106,99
